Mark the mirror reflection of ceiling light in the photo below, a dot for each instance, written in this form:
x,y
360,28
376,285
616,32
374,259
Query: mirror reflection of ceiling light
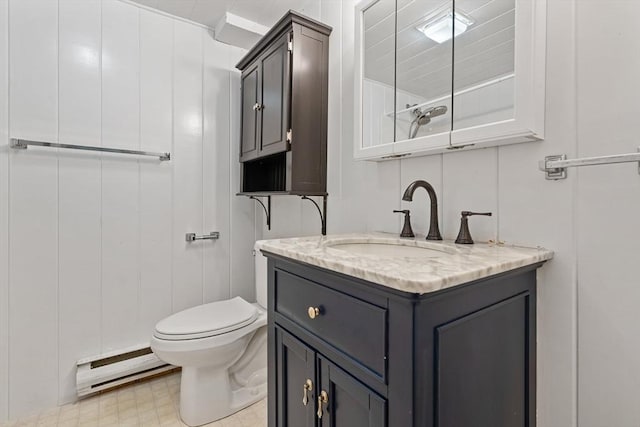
x,y
442,28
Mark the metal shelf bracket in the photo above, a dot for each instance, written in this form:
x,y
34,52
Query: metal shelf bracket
x,y
323,212
267,209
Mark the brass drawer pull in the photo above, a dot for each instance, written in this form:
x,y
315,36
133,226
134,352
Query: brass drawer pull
x,y
323,399
313,312
308,386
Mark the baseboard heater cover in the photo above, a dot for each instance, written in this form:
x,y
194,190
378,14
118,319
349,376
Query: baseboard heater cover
x,y
116,368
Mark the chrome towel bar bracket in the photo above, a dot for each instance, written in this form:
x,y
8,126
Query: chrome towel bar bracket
x,y
190,237
555,167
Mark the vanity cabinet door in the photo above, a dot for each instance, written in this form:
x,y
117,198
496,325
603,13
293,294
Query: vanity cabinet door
x,y
295,379
345,402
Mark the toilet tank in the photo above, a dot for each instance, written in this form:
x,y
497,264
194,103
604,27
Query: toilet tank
x,y
261,275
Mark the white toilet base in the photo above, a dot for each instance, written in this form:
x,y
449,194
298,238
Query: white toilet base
x,y
206,396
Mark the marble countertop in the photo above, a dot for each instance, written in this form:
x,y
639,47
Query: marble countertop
x,y
458,264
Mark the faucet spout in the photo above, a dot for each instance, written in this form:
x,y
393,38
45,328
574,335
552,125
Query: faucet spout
x,y
434,229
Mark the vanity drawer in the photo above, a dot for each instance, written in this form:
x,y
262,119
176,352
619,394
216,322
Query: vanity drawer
x,y
353,326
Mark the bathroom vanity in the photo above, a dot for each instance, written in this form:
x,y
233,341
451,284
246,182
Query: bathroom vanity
x,y
371,330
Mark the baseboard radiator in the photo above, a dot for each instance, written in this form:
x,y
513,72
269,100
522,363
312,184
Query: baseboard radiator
x,y
116,368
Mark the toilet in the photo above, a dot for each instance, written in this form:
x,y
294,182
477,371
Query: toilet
x,y
222,349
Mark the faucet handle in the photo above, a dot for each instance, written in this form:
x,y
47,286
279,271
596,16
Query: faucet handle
x,y
464,235
469,213
406,228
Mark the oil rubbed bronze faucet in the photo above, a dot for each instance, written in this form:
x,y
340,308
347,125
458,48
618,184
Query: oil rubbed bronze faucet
x,y
434,230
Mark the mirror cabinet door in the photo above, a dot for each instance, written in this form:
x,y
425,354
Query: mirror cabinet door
x,y
378,26
484,52
423,71
441,74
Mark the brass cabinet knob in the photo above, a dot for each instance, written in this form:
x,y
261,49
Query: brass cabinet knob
x,y
323,399
313,312
308,386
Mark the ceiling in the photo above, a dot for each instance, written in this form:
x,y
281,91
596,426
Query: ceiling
x,y
484,52
209,12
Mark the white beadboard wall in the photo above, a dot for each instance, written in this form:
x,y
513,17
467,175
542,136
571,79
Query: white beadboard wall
x,y
4,210
92,249
588,295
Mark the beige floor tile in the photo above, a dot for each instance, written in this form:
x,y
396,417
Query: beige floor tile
x,y
154,403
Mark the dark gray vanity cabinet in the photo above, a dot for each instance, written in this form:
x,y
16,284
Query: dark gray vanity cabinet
x,y
284,92
362,354
351,404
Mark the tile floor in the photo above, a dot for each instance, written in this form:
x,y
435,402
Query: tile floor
x,y
150,403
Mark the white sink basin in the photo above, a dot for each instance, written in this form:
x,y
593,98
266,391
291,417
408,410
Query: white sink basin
x,y
389,250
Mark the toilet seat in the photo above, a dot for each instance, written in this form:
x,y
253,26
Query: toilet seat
x,y
207,320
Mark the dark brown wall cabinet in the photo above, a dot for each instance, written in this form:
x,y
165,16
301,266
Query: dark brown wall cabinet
x,y
283,144
344,352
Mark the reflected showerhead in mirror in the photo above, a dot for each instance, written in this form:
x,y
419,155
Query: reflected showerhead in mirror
x,y
445,25
424,117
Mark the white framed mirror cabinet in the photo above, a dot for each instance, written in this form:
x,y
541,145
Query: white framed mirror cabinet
x,y
437,75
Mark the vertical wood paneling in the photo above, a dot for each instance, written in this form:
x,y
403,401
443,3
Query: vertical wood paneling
x,y
464,174
33,293
243,210
120,175
383,180
4,211
79,189
33,76
187,164
215,168
92,248
156,65
608,206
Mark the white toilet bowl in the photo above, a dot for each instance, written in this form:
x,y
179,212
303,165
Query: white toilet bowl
x,y
222,349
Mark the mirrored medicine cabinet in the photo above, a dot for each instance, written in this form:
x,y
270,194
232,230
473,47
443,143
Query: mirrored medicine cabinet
x,y
434,75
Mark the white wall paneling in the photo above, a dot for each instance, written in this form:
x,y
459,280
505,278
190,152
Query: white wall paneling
x,y
243,210
386,196
215,168
79,198
120,175
156,195
608,206
92,249
33,207
187,164
4,209
469,183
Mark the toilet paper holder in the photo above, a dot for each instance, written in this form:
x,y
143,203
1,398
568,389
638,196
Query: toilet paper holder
x,y
190,237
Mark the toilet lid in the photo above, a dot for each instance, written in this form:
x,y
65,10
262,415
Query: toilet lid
x,y
207,320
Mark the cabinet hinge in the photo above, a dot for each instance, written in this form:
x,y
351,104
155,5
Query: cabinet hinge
x,y
290,43
289,136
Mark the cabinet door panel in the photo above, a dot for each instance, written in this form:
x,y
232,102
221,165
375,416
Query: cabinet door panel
x,y
296,365
275,98
350,403
482,367
248,144
308,120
